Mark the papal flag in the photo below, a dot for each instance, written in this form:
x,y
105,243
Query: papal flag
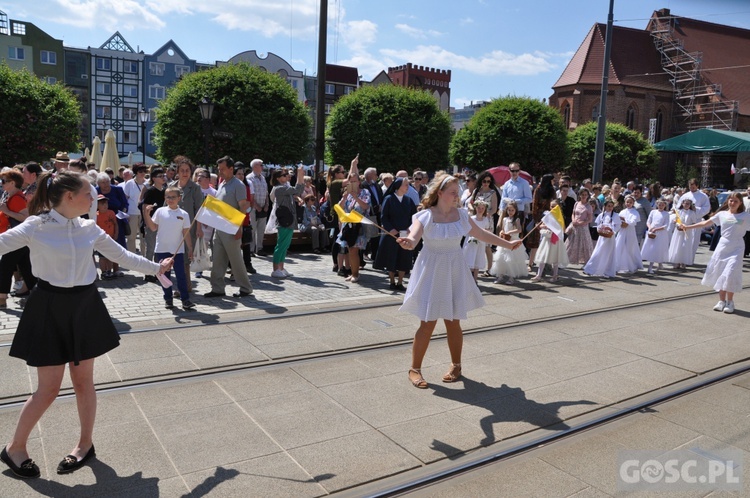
x,y
554,220
352,217
220,215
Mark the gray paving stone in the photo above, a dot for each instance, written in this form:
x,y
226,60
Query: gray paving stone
x,y
302,418
270,382
138,347
709,354
206,438
112,409
140,369
643,431
275,475
303,346
16,378
346,464
173,399
220,351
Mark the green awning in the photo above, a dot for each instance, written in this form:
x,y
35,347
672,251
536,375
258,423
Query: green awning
x,y
707,140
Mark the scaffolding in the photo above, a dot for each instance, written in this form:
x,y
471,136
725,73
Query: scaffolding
x,y
699,102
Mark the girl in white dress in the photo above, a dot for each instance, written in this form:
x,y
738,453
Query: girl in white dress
x,y
474,249
441,285
626,245
603,261
656,244
509,263
724,270
681,248
550,252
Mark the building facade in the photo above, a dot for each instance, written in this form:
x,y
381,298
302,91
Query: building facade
x,y
435,81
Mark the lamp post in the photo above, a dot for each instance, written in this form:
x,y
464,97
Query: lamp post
x,y
143,116
207,110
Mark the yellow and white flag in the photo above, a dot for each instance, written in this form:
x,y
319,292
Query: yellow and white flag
x,y
353,217
220,215
555,222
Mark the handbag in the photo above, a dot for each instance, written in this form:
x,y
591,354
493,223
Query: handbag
x,y
651,235
284,216
201,257
350,233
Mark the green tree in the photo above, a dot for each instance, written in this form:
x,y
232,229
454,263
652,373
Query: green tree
x,y
391,127
36,118
511,129
627,155
260,110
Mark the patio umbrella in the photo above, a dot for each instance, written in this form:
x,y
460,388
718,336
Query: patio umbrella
x,y
110,158
130,159
501,174
87,154
96,152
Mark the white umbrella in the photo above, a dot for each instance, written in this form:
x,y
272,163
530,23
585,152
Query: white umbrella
x,y
96,154
87,154
110,158
130,159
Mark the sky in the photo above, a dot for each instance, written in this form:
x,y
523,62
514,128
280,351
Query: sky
x,y
493,48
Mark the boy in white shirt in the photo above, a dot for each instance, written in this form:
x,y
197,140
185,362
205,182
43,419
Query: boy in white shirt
x,y
171,225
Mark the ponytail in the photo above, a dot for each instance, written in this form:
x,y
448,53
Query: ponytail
x,y
51,188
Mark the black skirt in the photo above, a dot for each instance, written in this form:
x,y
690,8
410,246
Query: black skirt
x,y
60,325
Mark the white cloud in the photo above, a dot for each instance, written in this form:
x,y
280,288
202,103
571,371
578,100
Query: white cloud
x,y
119,15
417,32
358,35
466,21
493,63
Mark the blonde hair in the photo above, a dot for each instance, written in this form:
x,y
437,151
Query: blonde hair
x,y
439,183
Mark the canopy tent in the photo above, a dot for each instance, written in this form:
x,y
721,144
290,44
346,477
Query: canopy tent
x,y
707,140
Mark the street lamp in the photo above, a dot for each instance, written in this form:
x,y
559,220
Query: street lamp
x,y
143,116
207,110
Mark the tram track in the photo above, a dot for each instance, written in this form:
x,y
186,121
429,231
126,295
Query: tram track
x,y
441,472
292,360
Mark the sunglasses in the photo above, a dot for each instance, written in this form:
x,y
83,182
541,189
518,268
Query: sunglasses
x,y
486,181
515,170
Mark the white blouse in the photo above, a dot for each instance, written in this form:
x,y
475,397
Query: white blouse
x,y
62,249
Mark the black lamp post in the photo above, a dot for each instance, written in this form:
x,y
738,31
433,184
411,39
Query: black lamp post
x,y
143,116
207,110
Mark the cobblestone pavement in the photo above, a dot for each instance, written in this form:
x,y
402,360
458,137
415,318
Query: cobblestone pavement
x,y
134,303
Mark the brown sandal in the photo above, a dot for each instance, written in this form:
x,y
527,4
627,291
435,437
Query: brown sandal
x,y
453,374
419,383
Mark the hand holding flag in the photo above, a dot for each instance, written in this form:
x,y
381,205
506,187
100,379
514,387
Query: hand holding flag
x,y
554,220
355,217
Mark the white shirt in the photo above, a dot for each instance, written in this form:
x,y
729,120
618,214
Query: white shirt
x,y
62,250
702,204
133,192
171,224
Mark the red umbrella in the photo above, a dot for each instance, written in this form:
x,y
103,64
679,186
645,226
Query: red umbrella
x,y
501,174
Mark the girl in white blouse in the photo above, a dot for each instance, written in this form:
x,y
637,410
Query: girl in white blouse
x,y
64,320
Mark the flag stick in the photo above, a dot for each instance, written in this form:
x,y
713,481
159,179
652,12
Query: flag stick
x,y
529,232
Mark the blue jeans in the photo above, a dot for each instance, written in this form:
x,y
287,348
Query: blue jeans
x,y
179,270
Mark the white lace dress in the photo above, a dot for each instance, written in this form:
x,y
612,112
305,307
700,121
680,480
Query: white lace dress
x,y
506,262
474,249
724,270
441,285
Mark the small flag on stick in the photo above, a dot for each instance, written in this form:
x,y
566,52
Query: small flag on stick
x,y
554,220
355,217
220,215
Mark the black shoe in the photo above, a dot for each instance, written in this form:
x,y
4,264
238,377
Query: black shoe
x,y
20,294
261,253
342,273
168,304
188,305
150,278
214,294
335,268
27,470
251,270
71,463
400,287
242,294
392,286
176,294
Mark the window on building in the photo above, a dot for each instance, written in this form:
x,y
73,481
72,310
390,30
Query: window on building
x,y
156,68
104,89
130,67
50,79
151,137
129,137
330,89
16,53
348,90
292,83
19,28
103,112
156,92
630,117
566,114
130,90
659,123
180,70
152,115
48,57
329,108
101,134
103,64
130,113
